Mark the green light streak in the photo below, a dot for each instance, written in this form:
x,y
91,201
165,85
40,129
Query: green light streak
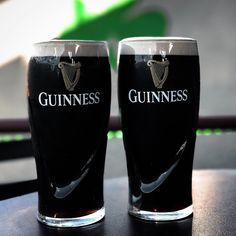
x,y
6,138
110,135
207,132
218,131
19,137
200,132
119,134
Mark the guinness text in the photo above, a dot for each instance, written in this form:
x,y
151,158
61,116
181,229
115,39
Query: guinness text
x,y
68,99
157,96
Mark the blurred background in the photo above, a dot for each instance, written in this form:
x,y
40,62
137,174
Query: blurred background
x,y
211,22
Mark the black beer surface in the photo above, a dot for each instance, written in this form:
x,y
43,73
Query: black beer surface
x,y
159,130
69,134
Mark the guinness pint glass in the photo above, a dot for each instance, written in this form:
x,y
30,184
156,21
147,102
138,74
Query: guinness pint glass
x,y
158,82
69,105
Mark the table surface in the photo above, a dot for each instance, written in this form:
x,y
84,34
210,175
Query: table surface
x,y
214,196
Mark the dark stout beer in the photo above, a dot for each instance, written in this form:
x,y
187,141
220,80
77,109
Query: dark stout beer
x,y
159,102
69,121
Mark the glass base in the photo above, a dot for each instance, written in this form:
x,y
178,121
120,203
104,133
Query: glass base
x,y
72,222
161,216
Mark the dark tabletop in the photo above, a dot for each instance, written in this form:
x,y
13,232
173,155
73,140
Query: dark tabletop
x,y
214,195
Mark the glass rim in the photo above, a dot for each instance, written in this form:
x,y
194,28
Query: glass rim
x,y
71,41
70,47
158,46
158,39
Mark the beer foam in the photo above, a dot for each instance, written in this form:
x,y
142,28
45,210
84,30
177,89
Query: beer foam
x,y
158,46
71,48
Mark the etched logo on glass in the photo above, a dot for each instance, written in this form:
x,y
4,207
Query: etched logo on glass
x,y
70,73
159,71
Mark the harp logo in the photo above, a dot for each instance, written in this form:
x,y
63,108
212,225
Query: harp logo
x,y
159,71
70,73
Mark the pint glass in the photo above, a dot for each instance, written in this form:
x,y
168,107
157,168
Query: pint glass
x,y
158,83
69,105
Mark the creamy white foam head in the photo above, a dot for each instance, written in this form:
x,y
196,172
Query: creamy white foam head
x,y
71,48
158,46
